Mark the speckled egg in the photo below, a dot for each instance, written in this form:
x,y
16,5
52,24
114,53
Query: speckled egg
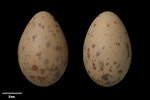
x,y
107,50
42,50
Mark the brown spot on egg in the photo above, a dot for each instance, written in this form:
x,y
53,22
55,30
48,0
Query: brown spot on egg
x,y
46,61
110,70
57,73
120,37
97,54
107,58
127,47
42,71
58,48
108,25
114,62
40,25
38,54
117,66
94,24
88,72
54,34
120,71
88,53
93,45
94,66
107,64
42,17
34,37
48,44
101,65
105,77
56,25
115,22
117,43
34,68
23,47
103,48
57,30
41,78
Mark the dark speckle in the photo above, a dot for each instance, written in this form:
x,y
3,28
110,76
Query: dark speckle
x,y
34,68
34,37
110,70
119,71
114,63
58,48
94,24
88,53
107,58
120,37
54,34
107,64
101,65
46,62
42,71
93,45
117,44
127,47
42,17
38,54
40,25
115,22
88,49
57,30
48,44
56,25
105,77
108,25
94,67
88,72
97,54
117,66
93,64
57,74
103,48
23,47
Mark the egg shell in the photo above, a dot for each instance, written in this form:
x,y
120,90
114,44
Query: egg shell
x,y
42,50
107,50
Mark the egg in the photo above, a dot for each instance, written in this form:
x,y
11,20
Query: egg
x,y
107,50
42,50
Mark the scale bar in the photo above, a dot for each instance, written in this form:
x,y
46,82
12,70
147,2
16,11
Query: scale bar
x,y
11,92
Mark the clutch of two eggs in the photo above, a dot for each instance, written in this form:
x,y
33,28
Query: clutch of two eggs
x,y
43,50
